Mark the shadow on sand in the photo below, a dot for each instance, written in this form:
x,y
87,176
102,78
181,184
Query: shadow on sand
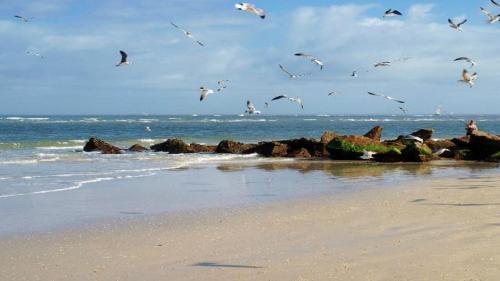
x,y
215,264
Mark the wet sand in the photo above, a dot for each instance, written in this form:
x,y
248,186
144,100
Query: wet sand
x,y
443,229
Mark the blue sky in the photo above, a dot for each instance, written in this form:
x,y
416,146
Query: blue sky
x,y
81,39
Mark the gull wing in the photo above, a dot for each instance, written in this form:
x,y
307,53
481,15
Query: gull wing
x,y
280,97
284,70
495,3
124,56
462,23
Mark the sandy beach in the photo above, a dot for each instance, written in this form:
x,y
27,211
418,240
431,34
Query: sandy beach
x,y
445,229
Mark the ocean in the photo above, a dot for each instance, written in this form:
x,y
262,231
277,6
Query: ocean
x,y
41,160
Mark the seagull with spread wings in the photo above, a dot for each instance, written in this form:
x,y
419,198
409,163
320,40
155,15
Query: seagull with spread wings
x,y
205,92
291,75
251,108
468,78
457,26
471,61
386,97
382,64
124,59
297,100
491,17
392,13
250,8
314,60
188,34
23,18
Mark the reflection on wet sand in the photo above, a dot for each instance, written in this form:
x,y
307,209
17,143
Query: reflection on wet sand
x,y
350,169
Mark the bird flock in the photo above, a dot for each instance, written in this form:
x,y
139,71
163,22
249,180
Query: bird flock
x,y
469,78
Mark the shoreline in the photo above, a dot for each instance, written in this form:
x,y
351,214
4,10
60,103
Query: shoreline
x,y
412,232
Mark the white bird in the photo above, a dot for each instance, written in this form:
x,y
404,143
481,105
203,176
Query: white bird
x,y
297,100
250,8
382,64
468,78
441,151
147,129
204,93
386,97
292,76
35,54
23,18
333,93
313,59
367,155
123,60
354,74
251,108
392,13
472,62
414,138
491,17
457,26
495,3
188,34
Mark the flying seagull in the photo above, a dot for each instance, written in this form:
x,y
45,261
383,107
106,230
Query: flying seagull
x,y
468,78
382,64
386,97
123,60
495,3
404,110
188,34
204,92
267,104
457,26
333,93
250,8
35,54
354,74
251,108
292,76
222,85
392,13
147,129
297,100
313,59
472,62
25,19
491,17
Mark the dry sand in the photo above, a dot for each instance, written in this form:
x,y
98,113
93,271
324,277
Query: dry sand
x,y
439,230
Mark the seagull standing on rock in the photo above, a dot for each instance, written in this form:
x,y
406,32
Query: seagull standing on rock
x,y
250,8
457,26
123,60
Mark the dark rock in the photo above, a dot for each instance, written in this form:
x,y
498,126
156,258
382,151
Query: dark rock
x,y
272,149
391,156
302,153
436,145
172,146
375,133
328,137
314,147
95,144
417,152
137,148
464,154
424,134
484,144
232,147
199,148
462,142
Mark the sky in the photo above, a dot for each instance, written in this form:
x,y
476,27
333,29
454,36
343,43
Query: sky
x,y
80,41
